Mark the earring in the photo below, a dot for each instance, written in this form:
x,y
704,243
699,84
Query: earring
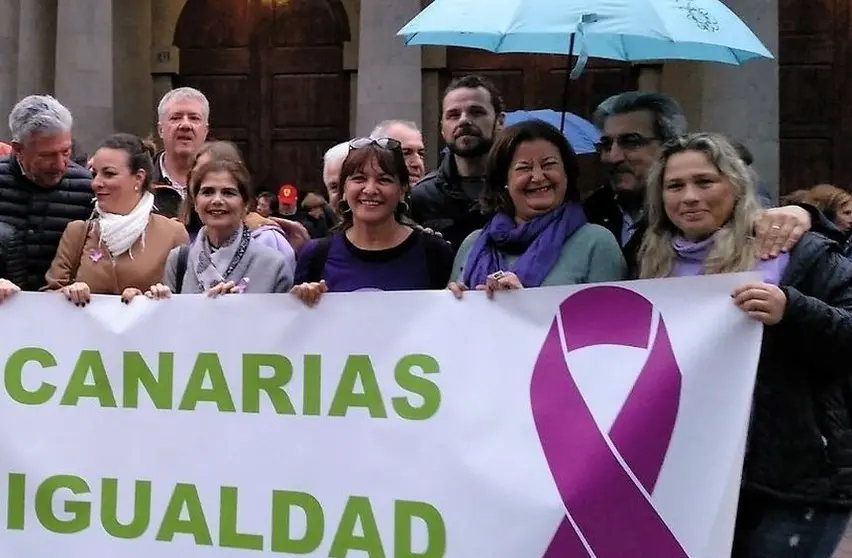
x,y
506,186
343,206
136,188
404,207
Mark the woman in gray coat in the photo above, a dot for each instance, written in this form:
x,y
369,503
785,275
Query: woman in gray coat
x,y
224,258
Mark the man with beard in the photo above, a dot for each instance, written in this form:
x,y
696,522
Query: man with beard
x,y
447,200
634,126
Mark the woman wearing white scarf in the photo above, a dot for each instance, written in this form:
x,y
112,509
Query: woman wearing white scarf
x,y
224,258
122,249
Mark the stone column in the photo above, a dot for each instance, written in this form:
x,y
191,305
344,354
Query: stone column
x,y
37,54
742,102
132,81
8,61
738,101
84,67
389,73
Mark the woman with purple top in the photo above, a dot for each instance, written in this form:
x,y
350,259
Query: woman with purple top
x,y
537,235
373,248
797,487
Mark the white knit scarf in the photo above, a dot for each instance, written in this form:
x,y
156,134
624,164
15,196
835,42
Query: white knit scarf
x,y
120,232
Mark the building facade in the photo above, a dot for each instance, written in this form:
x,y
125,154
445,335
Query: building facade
x,y
288,78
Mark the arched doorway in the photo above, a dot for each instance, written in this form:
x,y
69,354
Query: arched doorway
x,y
533,81
273,72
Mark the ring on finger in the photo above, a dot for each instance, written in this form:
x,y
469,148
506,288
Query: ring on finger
x,y
776,227
497,275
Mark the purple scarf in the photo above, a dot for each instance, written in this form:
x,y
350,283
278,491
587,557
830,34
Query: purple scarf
x,y
538,241
691,256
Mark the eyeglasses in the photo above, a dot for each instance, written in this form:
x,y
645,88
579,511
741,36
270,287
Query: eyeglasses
x,y
385,143
628,142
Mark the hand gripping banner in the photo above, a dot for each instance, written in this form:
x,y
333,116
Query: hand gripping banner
x,y
605,480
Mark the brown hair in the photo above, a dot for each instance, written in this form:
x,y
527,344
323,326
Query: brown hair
x,y
236,169
796,196
140,154
390,161
827,198
473,81
219,151
495,197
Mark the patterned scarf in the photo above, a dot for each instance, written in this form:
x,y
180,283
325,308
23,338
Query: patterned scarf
x,y
215,266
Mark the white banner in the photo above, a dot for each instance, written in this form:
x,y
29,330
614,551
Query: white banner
x,y
604,421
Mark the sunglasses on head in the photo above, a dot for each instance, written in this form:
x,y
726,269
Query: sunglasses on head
x,y
384,143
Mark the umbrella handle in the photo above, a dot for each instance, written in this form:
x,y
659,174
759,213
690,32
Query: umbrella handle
x,y
568,80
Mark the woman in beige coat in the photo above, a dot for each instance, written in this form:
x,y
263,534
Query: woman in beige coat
x,y
122,249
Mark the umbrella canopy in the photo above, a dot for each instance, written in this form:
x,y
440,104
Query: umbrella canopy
x,y
628,30
580,133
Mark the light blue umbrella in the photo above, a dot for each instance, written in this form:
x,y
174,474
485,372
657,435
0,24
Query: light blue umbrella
x,y
580,133
628,30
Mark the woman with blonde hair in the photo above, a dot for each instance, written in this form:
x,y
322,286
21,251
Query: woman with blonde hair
x,y
701,208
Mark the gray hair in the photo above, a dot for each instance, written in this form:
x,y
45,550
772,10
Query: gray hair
x,y
381,130
183,93
336,154
669,120
36,114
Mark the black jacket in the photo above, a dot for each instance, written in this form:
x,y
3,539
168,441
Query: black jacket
x,y
438,202
40,214
800,440
601,209
12,260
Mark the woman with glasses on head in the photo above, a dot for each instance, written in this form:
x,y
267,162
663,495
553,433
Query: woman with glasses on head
x,y
372,248
796,493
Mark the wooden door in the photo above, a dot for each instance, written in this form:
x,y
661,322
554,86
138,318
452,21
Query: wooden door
x,y
273,72
815,93
529,81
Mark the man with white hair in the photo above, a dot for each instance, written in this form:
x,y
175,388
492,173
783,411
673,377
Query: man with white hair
x,y
332,162
409,136
182,124
41,189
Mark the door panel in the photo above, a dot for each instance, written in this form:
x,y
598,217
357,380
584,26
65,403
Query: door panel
x,y
273,73
814,108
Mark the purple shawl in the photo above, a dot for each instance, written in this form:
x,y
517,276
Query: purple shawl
x,y
691,256
539,243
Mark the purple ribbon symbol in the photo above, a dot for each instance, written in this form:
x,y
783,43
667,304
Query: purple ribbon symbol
x,y
605,482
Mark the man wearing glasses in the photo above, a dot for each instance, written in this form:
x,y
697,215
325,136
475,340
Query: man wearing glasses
x,y
634,125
